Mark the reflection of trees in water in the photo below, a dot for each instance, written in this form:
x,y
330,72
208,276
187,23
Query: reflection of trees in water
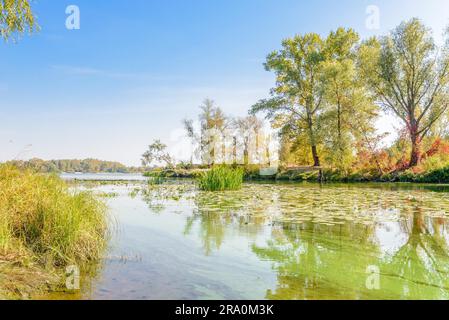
x,y
158,197
212,228
420,268
323,239
214,224
243,213
319,262
314,261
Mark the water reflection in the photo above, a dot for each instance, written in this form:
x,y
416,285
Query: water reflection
x,y
322,239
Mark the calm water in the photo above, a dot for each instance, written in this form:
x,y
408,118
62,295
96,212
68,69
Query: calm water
x,y
273,241
103,176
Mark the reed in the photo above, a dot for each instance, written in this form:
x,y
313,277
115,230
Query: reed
x,y
221,178
43,223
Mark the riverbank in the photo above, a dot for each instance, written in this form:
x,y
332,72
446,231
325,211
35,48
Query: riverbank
x,y
316,174
45,227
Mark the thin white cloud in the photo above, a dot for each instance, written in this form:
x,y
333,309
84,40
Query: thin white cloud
x,y
89,71
79,71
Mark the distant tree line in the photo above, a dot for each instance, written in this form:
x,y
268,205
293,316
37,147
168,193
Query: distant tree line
x,y
74,165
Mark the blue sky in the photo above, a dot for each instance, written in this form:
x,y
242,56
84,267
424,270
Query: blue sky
x,y
135,69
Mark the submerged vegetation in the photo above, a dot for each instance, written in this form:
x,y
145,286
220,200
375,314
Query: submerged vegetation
x,y
221,178
45,227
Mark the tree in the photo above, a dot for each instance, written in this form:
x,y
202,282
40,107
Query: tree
x,y
409,77
16,17
297,97
248,129
349,109
211,119
157,153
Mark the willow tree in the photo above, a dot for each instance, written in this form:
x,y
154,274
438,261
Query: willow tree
x,y
296,100
409,75
16,17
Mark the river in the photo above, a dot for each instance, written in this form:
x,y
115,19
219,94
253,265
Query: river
x,y
270,241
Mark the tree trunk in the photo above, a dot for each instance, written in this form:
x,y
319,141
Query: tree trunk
x,y
316,159
339,122
234,150
415,157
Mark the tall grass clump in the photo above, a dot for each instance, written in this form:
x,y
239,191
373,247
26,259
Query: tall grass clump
x,y
221,178
46,224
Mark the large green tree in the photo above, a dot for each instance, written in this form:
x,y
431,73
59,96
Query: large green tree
x,y
349,109
16,17
409,76
296,100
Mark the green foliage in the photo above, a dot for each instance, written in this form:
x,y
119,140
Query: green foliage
x,y
157,153
318,98
251,171
434,162
184,165
410,77
157,177
349,111
221,178
16,17
437,176
296,101
325,91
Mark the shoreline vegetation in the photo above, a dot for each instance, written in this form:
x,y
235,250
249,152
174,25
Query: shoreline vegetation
x,y
45,227
328,95
310,174
221,178
73,166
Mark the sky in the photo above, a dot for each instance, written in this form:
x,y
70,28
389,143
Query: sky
x,y
135,69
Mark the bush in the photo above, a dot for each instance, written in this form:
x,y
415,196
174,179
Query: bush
x,y
437,176
221,178
251,171
184,165
157,177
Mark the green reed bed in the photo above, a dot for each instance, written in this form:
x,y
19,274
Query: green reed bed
x,y
45,227
221,178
